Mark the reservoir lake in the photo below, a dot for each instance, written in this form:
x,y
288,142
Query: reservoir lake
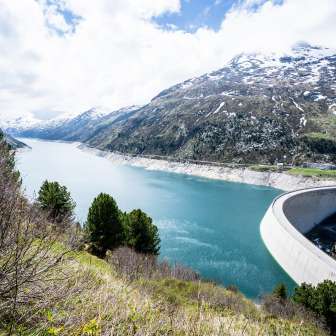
x,y
209,225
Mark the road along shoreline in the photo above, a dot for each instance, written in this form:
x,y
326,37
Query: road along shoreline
x,y
278,180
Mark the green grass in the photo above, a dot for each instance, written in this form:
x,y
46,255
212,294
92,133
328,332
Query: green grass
x,y
318,135
327,123
298,171
313,172
264,168
190,294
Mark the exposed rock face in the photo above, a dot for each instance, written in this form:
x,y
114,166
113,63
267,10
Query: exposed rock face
x,y
258,108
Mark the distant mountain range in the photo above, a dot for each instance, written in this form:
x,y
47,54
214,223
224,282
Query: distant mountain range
x,y
79,128
258,108
14,143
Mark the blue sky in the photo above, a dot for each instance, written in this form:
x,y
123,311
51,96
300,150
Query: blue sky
x,y
194,14
71,20
197,13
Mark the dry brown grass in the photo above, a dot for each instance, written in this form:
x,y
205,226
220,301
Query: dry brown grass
x,y
92,299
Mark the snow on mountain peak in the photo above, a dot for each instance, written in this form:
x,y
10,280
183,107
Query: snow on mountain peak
x,y
98,112
19,123
300,52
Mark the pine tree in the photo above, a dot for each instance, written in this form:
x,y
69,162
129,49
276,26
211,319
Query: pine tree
x,y
104,225
143,234
280,291
56,200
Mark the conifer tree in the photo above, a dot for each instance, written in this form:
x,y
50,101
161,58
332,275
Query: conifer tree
x,y
56,200
104,226
280,291
143,234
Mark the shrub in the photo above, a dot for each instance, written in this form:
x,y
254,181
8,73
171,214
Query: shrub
x,y
133,266
26,249
320,300
279,305
287,309
104,227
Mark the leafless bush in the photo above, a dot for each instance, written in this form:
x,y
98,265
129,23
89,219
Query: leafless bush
x,y
287,309
133,266
278,307
217,297
27,246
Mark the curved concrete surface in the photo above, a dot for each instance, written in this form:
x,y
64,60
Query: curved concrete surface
x,y
289,217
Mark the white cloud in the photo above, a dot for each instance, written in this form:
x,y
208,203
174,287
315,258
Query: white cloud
x,y
117,56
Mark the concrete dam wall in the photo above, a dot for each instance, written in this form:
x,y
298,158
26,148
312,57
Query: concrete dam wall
x,y
289,217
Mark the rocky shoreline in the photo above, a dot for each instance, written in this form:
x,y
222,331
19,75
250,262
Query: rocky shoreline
x,y
277,180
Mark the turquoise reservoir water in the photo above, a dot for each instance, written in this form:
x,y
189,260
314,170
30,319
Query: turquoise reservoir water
x,y
211,226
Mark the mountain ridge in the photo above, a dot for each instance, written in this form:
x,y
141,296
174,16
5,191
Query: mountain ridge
x,y
263,108
72,129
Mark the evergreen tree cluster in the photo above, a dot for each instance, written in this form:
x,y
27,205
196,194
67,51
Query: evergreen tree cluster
x,y
108,228
320,299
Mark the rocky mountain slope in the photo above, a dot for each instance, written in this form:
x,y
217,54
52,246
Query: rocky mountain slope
x,y
258,108
13,143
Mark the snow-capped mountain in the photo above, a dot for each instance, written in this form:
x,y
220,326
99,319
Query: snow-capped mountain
x,y
19,123
257,108
69,127
255,74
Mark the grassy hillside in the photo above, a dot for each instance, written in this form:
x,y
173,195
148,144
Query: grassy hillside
x,y
93,299
313,172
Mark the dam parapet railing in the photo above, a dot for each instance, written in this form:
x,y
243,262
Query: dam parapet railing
x,y
283,230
